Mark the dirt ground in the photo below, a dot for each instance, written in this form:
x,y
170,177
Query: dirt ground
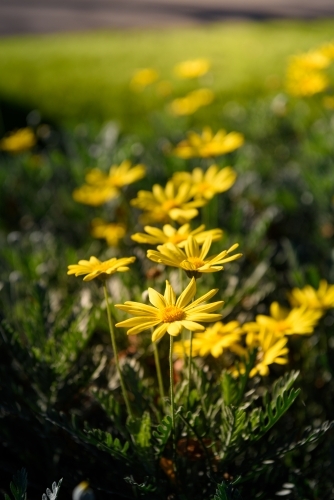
x,y
50,16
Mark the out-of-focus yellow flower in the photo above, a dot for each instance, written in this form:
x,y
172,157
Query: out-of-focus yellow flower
x,y
271,349
170,234
142,78
18,141
281,321
207,184
118,176
321,299
102,187
305,74
169,313
94,196
111,232
328,50
192,69
167,204
214,340
164,88
191,102
193,259
207,144
94,268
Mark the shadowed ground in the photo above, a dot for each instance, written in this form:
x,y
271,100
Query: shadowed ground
x,y
50,16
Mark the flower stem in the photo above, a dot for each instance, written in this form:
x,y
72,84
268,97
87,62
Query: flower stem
x,y
158,367
113,342
189,367
171,383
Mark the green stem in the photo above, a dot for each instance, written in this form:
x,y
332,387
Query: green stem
x,y
160,382
172,395
113,342
189,366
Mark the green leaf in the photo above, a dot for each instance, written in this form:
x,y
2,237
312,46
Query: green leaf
x,y
104,441
18,486
162,434
226,492
142,488
52,495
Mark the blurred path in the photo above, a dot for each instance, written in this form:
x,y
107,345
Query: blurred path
x,y
48,16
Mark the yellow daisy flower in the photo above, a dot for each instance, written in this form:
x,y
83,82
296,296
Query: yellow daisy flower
x,y
192,259
305,74
167,204
18,141
170,234
94,268
118,176
94,196
321,299
208,145
111,232
191,102
207,184
169,313
142,78
212,341
192,69
281,321
271,349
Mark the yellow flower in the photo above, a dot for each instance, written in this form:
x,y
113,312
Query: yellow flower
x,y
281,321
169,313
207,184
94,196
118,176
192,259
18,141
320,299
192,69
94,268
208,145
112,232
102,187
305,74
142,78
191,102
328,50
212,341
167,204
170,234
271,349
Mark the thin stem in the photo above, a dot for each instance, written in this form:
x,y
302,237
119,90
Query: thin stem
x,y
171,384
158,367
189,366
113,342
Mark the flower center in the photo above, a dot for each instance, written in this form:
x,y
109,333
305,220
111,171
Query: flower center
x,y
196,261
203,186
168,205
282,325
177,238
172,313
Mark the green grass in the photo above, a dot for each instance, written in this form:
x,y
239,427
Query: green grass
x,y
84,76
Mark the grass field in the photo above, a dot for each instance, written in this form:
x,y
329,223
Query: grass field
x,y
84,76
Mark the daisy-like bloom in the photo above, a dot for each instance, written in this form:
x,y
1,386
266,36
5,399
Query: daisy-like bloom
x,y
118,176
94,196
281,321
192,69
168,314
320,299
111,232
142,78
94,268
191,102
207,184
214,340
167,204
102,187
305,75
208,144
271,349
18,141
170,234
193,259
